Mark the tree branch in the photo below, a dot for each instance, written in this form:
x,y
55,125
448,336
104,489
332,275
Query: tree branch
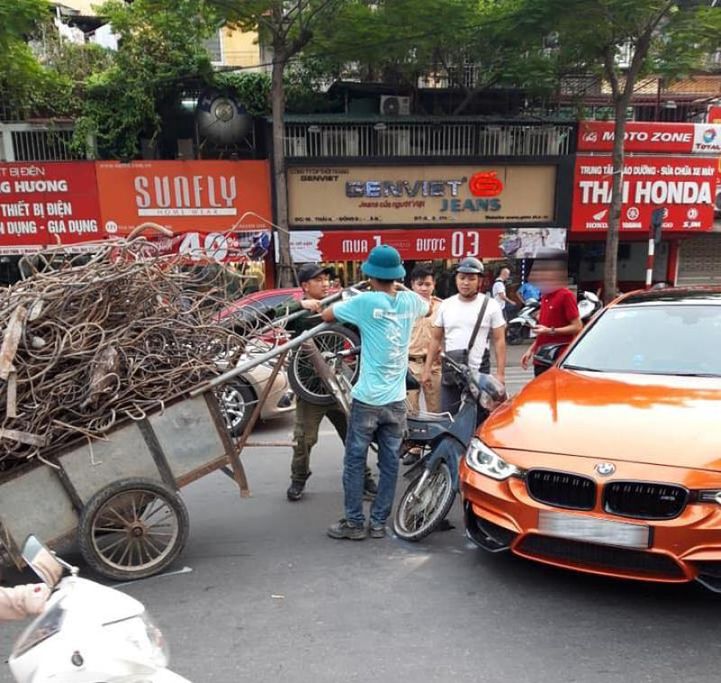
x,y
610,69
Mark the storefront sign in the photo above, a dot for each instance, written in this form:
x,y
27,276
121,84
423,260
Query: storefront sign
x,y
421,195
713,114
47,204
213,247
663,138
685,187
185,196
421,245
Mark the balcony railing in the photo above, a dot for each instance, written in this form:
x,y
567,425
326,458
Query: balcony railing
x,y
426,139
36,142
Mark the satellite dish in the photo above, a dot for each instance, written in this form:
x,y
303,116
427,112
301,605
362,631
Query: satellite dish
x,y
221,118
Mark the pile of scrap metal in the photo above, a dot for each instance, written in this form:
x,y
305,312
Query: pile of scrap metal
x,y
88,341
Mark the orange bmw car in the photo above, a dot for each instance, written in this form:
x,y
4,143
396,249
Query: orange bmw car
x,y
610,462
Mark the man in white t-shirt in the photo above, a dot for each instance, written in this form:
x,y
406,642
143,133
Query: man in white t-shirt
x,y
454,324
499,291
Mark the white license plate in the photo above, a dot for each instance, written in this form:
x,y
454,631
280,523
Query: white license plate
x,y
593,530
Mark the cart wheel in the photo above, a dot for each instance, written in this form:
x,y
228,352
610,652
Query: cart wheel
x,y
302,376
132,529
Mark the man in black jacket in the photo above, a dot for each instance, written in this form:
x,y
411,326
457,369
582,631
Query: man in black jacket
x,y
315,281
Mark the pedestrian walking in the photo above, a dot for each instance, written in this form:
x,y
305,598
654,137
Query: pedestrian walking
x,y
385,318
423,283
462,327
558,320
315,281
500,294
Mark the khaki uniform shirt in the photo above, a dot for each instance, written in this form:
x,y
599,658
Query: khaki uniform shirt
x,y
421,335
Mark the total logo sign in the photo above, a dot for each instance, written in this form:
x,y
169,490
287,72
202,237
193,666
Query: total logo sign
x,y
707,139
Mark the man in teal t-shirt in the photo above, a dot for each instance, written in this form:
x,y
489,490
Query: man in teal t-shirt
x,y
385,318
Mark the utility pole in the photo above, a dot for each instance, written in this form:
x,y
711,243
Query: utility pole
x,y
654,238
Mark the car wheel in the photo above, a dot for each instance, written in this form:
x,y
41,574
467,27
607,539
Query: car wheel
x,y
237,401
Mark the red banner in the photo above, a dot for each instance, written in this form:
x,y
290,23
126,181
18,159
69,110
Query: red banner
x,y
685,187
663,138
422,245
185,196
47,204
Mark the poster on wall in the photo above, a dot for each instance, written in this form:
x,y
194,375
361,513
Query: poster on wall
x,y
47,204
685,187
213,247
423,245
201,197
421,195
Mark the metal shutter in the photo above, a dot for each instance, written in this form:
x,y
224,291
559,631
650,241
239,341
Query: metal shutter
x,y
700,260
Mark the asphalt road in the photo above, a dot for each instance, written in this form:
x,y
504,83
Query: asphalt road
x,y
269,597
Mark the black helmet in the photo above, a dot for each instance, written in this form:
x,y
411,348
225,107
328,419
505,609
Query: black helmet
x,y
470,264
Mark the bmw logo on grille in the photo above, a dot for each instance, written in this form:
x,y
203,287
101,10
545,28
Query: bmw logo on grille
x,y
605,469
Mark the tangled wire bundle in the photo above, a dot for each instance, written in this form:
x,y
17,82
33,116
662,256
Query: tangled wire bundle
x,y
89,341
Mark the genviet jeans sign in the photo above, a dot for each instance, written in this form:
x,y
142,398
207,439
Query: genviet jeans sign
x,y
421,195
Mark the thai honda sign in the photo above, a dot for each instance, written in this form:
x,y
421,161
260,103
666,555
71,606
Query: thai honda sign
x,y
684,186
652,137
47,204
425,244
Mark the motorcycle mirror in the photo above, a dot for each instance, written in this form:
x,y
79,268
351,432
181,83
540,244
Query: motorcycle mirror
x,y
42,561
492,387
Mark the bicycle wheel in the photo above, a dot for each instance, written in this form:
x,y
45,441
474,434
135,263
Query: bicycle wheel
x,y
302,375
419,513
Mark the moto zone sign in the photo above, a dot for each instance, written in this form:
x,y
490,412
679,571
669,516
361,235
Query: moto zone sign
x,y
685,187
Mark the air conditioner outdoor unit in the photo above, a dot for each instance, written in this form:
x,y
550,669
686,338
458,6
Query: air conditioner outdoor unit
x,y
392,105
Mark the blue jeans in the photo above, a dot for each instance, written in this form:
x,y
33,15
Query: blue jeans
x,y
386,425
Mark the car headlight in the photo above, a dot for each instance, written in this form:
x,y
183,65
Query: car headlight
x,y
709,496
484,461
141,633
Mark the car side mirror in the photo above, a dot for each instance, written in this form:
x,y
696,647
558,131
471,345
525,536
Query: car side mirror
x,y
548,354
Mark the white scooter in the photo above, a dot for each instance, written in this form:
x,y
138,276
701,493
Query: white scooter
x,y
88,633
520,327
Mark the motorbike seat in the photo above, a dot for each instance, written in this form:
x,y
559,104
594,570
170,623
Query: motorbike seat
x,y
423,417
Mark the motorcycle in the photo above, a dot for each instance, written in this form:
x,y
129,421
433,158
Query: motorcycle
x,y
440,440
588,305
519,328
87,633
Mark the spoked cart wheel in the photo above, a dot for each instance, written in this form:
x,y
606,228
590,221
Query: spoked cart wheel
x,y
302,375
132,529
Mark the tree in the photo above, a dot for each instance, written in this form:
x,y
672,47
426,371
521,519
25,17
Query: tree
x,y
20,72
473,44
666,37
287,26
160,51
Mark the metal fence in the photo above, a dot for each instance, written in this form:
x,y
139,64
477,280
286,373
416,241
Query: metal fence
x,y
426,139
36,142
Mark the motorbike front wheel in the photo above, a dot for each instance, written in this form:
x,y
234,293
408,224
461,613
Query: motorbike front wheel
x,y
420,511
